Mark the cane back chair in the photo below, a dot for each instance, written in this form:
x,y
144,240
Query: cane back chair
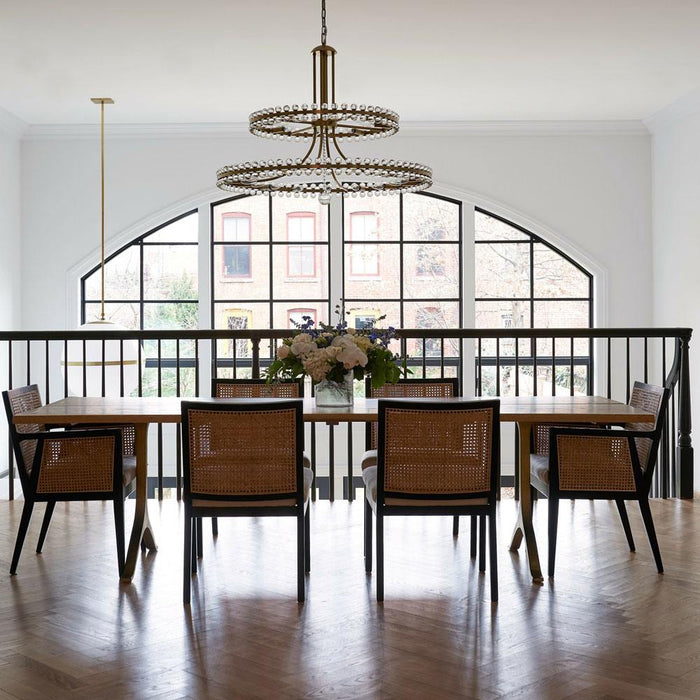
x,y
433,388
433,458
252,389
245,459
76,465
604,463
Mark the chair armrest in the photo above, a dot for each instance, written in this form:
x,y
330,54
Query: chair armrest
x,y
594,459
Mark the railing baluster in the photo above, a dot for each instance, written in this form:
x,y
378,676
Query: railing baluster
x,y
627,372
609,369
47,371
498,366
160,425
571,368
554,368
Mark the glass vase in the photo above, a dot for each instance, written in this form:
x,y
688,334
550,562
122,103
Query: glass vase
x,y
335,394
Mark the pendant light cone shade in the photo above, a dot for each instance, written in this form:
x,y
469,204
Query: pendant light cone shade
x,y
324,170
101,367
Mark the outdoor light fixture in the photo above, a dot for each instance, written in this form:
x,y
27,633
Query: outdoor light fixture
x,y
324,170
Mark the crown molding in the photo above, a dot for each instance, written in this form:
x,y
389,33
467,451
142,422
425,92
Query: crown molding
x,y
685,106
40,132
11,124
629,127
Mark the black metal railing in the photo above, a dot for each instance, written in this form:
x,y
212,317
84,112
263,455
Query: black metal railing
x,y
486,362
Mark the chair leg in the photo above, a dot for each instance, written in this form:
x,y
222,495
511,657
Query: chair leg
x,y
380,557
301,560
493,559
119,529
482,543
472,547
553,523
455,526
215,527
45,525
307,541
186,580
625,522
368,537
200,539
21,534
193,545
651,532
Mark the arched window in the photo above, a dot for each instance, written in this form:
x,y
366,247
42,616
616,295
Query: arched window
x,y
151,282
521,281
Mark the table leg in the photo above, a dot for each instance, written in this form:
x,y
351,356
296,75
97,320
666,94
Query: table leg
x,y
141,532
523,526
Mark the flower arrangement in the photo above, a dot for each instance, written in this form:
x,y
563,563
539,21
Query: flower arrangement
x,y
326,352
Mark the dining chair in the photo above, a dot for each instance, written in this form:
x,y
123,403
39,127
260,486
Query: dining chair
x,y
433,458
75,465
252,389
614,463
433,388
245,459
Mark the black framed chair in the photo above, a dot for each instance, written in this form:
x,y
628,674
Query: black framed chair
x,y
245,459
75,465
433,458
223,388
432,388
604,463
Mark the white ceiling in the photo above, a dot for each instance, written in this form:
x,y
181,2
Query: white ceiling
x,y
214,61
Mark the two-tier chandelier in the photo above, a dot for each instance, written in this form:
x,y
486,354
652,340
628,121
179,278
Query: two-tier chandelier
x,y
324,170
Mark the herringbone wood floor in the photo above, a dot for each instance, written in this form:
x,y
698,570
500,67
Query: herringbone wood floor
x,y
609,627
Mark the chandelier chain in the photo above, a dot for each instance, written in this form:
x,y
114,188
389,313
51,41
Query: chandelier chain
x,y
324,29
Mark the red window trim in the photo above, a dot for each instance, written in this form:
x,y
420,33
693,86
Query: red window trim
x,y
363,274
301,215
236,215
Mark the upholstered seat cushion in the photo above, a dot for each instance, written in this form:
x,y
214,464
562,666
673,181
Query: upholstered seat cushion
x,y
369,476
369,459
264,503
128,469
539,467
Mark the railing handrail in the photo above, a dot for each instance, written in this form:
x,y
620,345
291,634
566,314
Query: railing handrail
x,y
271,333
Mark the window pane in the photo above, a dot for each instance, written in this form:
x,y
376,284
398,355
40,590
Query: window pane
x,y
183,230
300,271
284,209
283,312
384,284
441,315
428,218
170,316
121,277
127,314
431,270
233,213
502,314
170,272
377,218
561,314
502,270
555,276
230,264
488,228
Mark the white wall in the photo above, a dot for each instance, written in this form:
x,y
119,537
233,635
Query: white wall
x,y
10,131
592,190
676,226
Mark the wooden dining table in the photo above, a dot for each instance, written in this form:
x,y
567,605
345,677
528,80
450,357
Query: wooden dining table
x,y
525,411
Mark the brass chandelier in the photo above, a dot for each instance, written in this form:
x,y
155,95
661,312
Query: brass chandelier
x,y
324,170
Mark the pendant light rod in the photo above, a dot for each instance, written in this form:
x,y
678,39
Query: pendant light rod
x,y
102,101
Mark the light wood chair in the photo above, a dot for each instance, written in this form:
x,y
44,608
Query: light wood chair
x,y
433,458
603,463
75,465
245,459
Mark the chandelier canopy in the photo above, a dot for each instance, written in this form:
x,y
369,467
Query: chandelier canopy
x,y
324,170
